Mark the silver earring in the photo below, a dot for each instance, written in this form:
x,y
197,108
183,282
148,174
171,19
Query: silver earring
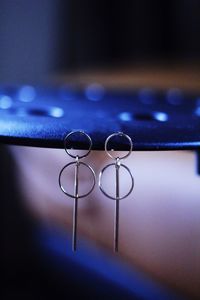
x,y
77,164
118,165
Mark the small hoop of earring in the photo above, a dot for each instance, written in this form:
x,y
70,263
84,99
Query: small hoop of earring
x,y
78,134
118,165
77,163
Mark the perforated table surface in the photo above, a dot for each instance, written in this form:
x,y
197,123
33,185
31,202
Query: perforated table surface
x,y
42,116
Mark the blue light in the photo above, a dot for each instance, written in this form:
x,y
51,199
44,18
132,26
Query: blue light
x,y
198,111
160,116
56,112
125,116
5,102
94,92
26,93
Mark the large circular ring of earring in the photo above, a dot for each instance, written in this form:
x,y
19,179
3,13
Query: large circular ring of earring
x,y
80,164
101,185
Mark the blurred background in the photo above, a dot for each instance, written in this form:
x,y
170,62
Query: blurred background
x,y
114,43
39,38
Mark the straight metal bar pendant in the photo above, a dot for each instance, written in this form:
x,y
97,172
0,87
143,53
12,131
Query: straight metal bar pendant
x,y
116,222
75,209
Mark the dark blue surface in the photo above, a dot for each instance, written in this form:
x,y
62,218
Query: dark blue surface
x,y
43,116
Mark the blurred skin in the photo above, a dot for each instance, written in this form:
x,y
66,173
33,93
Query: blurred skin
x,y
159,221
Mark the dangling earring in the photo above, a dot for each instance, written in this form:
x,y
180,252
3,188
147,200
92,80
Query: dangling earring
x,y
77,164
118,165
